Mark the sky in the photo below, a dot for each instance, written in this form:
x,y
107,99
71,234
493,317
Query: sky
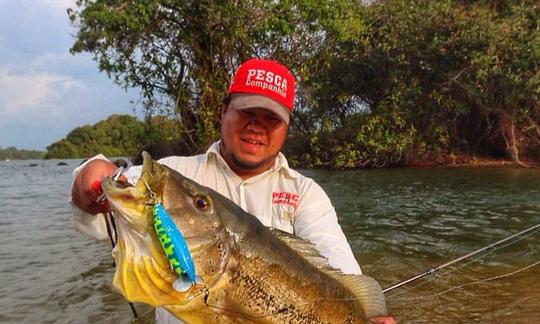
x,y
45,91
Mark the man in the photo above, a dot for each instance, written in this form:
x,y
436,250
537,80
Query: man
x,y
246,166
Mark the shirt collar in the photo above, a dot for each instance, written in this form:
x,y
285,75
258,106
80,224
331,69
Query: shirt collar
x,y
279,164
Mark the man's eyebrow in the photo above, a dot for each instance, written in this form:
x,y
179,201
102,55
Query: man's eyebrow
x,y
273,114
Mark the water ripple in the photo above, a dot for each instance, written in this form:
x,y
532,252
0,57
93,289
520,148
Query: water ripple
x,y
399,223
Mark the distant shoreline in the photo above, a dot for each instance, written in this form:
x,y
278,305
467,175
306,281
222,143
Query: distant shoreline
x,y
448,161
469,160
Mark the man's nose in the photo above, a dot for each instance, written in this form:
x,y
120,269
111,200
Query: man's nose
x,y
255,124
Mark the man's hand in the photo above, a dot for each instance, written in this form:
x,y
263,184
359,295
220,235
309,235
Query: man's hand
x,y
383,320
84,194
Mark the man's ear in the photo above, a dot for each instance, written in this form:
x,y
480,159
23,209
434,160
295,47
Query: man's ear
x,y
224,109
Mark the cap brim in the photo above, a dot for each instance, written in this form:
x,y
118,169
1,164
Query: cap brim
x,y
245,101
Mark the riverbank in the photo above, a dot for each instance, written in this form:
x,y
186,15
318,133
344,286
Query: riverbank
x,y
298,157
467,160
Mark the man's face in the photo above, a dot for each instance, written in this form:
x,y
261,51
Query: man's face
x,y
251,139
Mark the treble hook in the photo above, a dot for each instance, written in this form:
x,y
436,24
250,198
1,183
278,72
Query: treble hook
x,y
152,194
97,187
206,293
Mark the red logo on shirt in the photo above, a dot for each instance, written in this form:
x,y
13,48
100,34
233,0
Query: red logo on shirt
x,y
285,198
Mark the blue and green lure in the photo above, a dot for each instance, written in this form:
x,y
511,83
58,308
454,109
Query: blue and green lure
x,y
175,248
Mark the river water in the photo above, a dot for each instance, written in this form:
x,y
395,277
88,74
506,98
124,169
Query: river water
x,y
400,222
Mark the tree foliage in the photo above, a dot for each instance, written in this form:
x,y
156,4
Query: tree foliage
x,y
181,54
118,135
461,75
381,83
12,153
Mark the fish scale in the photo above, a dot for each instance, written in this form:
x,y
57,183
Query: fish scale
x,y
248,273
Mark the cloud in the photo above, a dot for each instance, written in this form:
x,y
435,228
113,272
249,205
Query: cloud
x,y
45,92
38,108
43,99
31,28
59,4
42,6
32,94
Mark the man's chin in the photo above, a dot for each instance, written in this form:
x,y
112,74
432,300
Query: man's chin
x,y
251,163
247,164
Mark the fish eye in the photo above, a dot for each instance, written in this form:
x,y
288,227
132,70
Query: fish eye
x,y
201,202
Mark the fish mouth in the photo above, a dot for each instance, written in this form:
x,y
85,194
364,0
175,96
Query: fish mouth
x,y
143,272
146,185
127,202
116,188
132,204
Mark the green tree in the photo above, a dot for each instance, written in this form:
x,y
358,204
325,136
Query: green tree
x,y
448,75
380,82
118,135
182,54
12,153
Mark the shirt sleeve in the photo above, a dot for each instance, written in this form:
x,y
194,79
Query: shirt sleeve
x,y
316,221
93,226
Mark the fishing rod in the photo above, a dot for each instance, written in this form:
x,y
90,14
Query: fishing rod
x,y
436,269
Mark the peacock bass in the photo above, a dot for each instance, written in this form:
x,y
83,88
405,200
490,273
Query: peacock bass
x,y
248,272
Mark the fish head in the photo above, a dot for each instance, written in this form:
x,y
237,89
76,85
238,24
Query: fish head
x,y
143,272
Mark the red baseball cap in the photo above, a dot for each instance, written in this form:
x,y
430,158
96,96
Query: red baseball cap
x,y
260,83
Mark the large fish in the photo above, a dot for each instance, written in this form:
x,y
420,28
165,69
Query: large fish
x,y
245,271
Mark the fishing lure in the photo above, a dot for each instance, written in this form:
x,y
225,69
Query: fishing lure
x,y
174,246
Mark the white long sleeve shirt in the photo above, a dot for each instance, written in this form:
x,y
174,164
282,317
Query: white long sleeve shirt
x,y
280,198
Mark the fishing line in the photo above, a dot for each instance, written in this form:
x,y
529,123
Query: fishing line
x,y
437,275
485,252
141,317
502,276
110,225
489,250
108,221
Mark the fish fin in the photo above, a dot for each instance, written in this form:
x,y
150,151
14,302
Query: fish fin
x,y
304,247
366,289
182,284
